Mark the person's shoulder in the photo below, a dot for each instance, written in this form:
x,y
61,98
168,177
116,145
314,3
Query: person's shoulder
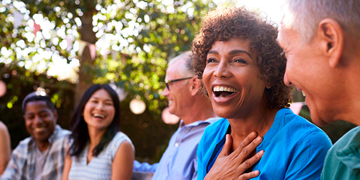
x,y
120,135
218,124
22,147
297,123
300,128
352,133
4,133
352,136
61,133
25,141
60,138
119,138
216,128
2,126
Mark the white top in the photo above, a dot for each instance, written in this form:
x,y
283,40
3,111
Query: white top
x,y
99,167
40,162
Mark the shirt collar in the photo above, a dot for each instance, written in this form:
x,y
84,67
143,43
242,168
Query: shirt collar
x,y
53,136
196,123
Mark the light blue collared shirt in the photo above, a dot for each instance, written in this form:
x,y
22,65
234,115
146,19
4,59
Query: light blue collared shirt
x,y
179,161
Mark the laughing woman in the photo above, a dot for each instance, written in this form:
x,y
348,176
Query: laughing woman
x,y
242,67
98,149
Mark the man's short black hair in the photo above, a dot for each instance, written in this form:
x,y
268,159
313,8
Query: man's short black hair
x,y
37,96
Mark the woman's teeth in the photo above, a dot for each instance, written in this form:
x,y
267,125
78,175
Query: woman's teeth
x,y
99,115
223,89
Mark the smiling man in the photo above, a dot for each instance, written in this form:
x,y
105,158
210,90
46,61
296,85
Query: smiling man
x,y
188,102
40,156
321,41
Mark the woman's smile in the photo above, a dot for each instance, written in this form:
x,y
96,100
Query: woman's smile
x,y
231,78
222,93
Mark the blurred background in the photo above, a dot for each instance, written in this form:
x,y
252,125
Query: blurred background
x,y
63,46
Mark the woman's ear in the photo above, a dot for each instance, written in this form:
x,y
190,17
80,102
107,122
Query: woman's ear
x,y
331,37
267,85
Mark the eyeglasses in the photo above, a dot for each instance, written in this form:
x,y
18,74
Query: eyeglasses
x,y
175,80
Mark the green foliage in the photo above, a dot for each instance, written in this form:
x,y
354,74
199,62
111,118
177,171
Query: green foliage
x,y
20,82
134,40
334,130
140,128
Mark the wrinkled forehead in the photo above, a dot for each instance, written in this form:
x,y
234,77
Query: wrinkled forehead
x,y
280,37
176,70
287,36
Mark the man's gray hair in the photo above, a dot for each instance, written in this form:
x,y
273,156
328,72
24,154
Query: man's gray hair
x,y
186,68
305,15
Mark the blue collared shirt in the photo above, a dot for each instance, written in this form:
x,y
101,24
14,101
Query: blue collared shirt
x,y
179,161
22,162
294,148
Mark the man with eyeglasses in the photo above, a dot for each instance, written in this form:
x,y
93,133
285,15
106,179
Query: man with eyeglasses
x,y
188,102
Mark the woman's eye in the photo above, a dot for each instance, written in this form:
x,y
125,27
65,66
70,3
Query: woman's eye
x,y
210,60
240,61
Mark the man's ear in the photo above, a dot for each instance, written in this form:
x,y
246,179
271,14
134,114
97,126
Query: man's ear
x,y
55,115
332,40
195,85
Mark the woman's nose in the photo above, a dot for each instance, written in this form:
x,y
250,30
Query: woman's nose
x,y
222,70
100,106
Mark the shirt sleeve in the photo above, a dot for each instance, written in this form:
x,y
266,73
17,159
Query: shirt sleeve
x,y
116,142
12,170
144,167
309,157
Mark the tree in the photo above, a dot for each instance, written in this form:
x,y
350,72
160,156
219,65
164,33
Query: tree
x,y
133,39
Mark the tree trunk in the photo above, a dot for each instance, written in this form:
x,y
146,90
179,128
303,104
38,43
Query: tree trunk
x,y
86,68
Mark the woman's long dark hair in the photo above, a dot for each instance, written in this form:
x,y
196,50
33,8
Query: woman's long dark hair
x,y
79,129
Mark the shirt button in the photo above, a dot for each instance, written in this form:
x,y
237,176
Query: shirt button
x,y
176,144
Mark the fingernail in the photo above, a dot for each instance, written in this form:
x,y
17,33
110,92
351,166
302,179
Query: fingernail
x,y
253,134
258,139
261,153
257,172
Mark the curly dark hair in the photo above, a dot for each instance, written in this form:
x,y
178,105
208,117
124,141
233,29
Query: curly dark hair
x,y
224,24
